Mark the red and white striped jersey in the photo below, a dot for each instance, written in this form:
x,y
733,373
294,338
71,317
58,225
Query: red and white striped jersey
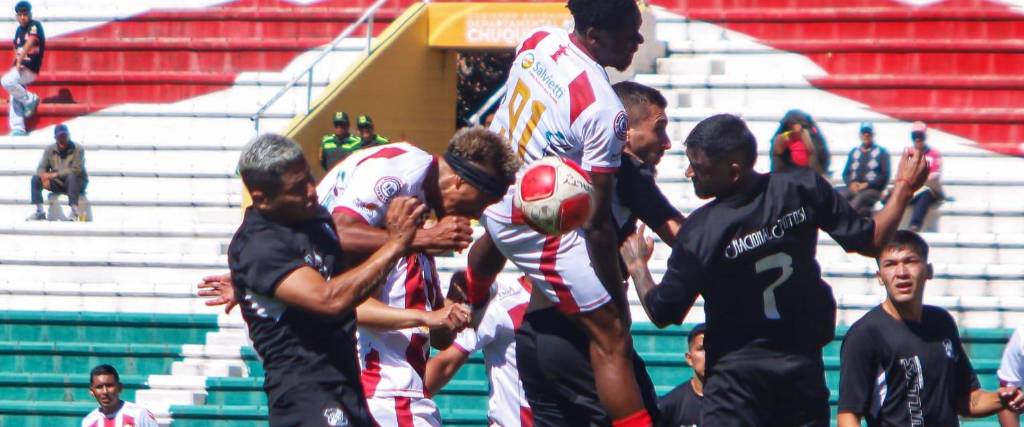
x,y
362,186
394,361
496,336
558,102
130,415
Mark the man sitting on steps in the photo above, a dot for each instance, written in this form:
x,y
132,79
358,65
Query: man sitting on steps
x,y
61,170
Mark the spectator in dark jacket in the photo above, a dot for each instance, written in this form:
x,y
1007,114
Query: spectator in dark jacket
x,y
866,173
61,170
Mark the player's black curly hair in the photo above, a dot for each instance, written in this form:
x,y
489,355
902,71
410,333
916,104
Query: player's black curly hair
x,y
723,134
602,14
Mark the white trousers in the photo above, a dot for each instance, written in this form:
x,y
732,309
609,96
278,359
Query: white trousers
x,y
14,83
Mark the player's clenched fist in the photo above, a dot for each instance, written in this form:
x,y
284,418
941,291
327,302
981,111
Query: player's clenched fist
x,y
637,249
452,232
404,217
453,317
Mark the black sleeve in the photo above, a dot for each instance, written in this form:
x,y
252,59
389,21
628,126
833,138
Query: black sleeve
x,y
671,406
857,370
264,262
882,179
640,193
836,217
672,299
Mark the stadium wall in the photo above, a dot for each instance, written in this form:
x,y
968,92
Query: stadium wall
x,y
407,89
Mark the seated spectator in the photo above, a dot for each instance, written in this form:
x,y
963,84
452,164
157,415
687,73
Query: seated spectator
x,y
61,170
336,146
866,173
792,146
29,47
818,138
932,192
105,386
682,405
368,133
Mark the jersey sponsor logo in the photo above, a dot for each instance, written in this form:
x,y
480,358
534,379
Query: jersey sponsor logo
x,y
950,350
541,75
760,237
335,417
621,125
558,53
386,188
528,61
915,384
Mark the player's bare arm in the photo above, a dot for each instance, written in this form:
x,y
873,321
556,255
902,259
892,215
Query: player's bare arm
x,y
668,231
636,253
442,367
980,403
306,288
601,241
451,232
375,314
848,419
911,176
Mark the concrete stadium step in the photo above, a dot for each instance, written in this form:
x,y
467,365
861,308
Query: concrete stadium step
x,y
60,387
31,229
164,273
74,328
114,246
128,187
220,162
149,217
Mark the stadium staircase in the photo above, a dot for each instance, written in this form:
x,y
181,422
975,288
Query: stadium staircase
x,y
161,100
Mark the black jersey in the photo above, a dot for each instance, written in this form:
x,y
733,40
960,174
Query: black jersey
x,y
751,256
298,348
681,407
902,373
34,58
637,197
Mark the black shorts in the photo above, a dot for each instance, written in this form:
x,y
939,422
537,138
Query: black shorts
x,y
553,357
318,405
758,387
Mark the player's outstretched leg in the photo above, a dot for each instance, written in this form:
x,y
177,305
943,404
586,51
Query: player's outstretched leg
x,y
611,352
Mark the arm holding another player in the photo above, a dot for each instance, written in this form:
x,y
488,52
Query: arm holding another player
x,y
602,242
451,232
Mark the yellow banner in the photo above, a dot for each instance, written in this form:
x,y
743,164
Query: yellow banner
x,y
491,25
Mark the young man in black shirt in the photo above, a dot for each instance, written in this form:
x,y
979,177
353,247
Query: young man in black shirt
x,y
29,47
681,407
903,363
751,254
287,268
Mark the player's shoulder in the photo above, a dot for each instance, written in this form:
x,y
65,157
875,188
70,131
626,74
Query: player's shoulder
x,y
545,34
938,316
874,320
137,412
92,418
795,177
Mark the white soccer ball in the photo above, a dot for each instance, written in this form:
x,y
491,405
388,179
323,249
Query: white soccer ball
x,y
554,196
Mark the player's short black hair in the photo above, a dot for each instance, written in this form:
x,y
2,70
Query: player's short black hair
x,y
906,239
602,14
697,330
23,6
103,370
723,134
636,97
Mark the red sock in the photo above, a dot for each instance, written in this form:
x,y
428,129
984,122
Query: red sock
x,y
638,419
478,288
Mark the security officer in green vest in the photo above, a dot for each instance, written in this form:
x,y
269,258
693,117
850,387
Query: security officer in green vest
x,y
368,134
338,145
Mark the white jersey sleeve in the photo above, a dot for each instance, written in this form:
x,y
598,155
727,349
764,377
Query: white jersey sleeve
x,y
1011,369
364,184
466,341
602,128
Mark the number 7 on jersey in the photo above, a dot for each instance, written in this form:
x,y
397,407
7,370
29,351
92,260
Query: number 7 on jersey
x,y
770,262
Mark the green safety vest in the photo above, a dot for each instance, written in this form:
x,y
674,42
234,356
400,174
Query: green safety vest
x,y
333,151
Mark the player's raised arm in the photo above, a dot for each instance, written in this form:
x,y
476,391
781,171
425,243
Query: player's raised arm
x,y
669,302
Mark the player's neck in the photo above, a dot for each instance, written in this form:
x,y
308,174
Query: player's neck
x,y
698,386
744,186
578,42
112,409
909,311
432,185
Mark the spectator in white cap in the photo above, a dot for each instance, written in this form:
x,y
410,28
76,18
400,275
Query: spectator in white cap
x,y
932,190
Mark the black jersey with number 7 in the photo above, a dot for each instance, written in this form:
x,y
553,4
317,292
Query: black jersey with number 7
x,y
752,257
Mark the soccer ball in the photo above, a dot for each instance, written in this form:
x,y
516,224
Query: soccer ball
x,y
554,196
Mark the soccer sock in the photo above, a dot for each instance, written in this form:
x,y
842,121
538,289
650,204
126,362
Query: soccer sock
x,y
39,207
638,419
478,287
